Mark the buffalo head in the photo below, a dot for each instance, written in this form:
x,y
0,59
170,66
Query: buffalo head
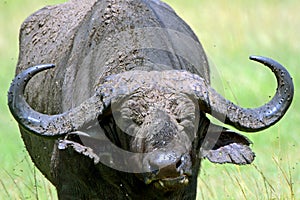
x,y
159,116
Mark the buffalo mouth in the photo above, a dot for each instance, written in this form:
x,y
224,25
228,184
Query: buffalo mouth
x,y
171,183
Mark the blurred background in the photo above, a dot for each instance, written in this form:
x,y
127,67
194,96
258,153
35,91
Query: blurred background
x,y
230,31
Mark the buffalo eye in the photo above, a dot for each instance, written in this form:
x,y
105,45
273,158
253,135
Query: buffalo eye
x,y
178,120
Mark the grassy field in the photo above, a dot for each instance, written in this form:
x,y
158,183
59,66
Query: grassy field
x,y
230,31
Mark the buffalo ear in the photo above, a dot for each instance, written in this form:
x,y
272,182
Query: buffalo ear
x,y
221,145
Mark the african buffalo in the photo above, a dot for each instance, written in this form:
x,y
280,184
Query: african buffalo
x,y
122,114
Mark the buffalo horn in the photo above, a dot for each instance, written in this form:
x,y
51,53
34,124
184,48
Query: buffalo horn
x,y
48,125
256,119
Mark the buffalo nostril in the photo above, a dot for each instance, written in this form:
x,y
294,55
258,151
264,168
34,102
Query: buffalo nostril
x,y
171,164
178,164
164,170
167,169
154,169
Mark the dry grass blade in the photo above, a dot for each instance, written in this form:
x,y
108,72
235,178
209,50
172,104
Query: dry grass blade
x,y
4,188
241,187
236,179
35,184
16,184
287,178
208,189
267,184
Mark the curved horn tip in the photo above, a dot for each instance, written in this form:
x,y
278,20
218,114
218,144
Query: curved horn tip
x,y
16,101
42,67
266,61
27,74
20,81
261,59
254,57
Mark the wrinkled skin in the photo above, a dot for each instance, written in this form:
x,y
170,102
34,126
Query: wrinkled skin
x,y
122,81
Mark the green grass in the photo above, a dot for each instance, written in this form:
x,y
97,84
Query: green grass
x,y
18,177
230,31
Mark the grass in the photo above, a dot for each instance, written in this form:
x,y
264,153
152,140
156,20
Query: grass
x,y
230,31
18,177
